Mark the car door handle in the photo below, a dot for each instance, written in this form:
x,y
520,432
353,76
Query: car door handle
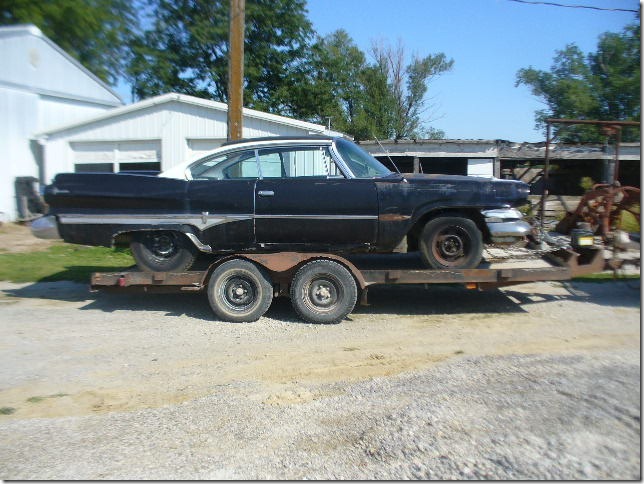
x,y
266,193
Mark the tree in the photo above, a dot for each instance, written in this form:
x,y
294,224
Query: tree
x,y
337,83
383,99
603,85
95,32
186,50
408,86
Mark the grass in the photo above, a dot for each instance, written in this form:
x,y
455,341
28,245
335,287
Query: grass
x,y
40,399
7,410
64,262
628,222
605,277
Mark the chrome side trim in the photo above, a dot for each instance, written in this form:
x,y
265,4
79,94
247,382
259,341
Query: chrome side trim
x,y
198,244
320,217
45,227
202,221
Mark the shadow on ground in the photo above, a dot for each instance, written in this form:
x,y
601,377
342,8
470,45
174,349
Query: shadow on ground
x,y
386,300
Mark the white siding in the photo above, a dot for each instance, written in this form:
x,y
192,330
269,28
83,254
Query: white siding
x,y
40,87
16,123
36,64
54,112
186,131
201,147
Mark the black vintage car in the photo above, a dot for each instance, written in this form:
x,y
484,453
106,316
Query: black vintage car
x,y
285,193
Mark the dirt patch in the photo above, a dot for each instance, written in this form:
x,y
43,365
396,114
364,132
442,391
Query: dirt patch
x,y
108,355
18,238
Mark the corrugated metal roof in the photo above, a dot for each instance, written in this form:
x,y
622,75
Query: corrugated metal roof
x,y
183,98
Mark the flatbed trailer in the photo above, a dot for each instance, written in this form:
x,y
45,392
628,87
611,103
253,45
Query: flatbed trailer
x,y
324,288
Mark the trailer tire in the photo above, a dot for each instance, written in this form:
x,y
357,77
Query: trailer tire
x,y
323,291
451,243
162,251
239,291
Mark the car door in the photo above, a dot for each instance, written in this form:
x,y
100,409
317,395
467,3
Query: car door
x,y
221,199
303,200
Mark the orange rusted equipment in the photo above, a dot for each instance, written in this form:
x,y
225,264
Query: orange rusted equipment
x,y
602,208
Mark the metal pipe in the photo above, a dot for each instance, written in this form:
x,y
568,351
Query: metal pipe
x,y
546,171
618,142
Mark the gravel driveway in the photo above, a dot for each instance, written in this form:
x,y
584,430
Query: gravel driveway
x,y
538,381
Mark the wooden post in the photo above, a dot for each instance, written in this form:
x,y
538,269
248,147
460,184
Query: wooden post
x,y
236,68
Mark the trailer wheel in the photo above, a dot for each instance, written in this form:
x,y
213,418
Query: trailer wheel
x,y
451,243
239,291
323,291
162,251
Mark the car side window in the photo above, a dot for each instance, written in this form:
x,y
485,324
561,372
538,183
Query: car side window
x,y
297,162
244,167
238,164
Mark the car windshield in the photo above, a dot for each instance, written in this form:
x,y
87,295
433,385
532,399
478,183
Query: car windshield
x,y
361,163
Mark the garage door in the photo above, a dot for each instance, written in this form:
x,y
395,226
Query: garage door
x,y
483,167
201,147
114,157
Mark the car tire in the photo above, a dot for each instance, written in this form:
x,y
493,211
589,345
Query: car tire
x,y
163,251
239,291
323,291
451,243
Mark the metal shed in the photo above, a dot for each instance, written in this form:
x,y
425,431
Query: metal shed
x,y
40,86
154,134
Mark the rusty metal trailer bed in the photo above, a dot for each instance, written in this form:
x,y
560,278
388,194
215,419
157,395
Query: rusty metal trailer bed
x,y
324,288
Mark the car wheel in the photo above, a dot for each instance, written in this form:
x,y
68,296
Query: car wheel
x,y
163,251
323,291
451,243
239,291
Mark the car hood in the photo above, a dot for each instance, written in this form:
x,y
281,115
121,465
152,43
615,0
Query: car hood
x,y
510,192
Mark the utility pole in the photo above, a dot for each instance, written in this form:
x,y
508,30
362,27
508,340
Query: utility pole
x,y
236,68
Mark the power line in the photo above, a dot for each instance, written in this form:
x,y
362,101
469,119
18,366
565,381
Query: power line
x,y
575,6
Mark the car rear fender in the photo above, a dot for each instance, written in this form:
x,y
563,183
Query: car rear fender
x,y
124,236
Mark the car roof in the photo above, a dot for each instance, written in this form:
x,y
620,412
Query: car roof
x,y
278,138
261,142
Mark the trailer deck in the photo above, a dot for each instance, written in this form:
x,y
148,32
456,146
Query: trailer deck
x,y
555,266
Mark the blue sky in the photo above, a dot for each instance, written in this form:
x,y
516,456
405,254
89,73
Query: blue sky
x,y
489,40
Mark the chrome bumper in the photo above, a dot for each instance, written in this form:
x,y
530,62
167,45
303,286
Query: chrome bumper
x,y
506,225
45,228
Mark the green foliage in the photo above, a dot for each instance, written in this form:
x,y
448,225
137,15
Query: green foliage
x,y
96,32
7,410
586,183
288,70
186,50
628,221
383,99
603,85
62,262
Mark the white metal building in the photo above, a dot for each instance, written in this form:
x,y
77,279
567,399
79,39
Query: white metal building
x,y
154,134
41,86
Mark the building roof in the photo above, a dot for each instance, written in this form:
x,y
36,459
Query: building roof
x,y
184,98
30,30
